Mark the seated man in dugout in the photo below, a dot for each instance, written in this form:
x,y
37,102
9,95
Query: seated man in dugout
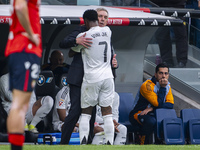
x,y
56,65
154,93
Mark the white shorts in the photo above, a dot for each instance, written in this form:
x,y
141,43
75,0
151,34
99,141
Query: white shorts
x,y
101,93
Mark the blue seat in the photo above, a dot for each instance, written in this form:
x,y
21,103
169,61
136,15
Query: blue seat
x,y
194,131
126,105
187,115
173,131
161,114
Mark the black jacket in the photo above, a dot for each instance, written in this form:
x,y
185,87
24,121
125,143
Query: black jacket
x,y
76,72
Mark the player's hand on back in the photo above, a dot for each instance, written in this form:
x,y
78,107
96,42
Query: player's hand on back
x,y
35,38
82,40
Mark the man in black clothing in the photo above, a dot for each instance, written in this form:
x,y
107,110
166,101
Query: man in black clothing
x,y
164,40
57,65
75,77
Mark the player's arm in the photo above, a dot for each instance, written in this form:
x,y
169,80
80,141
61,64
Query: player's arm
x,y
61,114
21,9
199,3
71,40
77,48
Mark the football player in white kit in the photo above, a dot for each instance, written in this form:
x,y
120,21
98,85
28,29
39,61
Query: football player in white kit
x,y
98,83
37,109
61,108
120,129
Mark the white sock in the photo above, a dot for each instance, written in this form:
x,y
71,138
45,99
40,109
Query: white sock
x,y
84,127
121,135
98,138
47,104
108,129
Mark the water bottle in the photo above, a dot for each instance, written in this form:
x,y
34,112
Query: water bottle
x,y
158,59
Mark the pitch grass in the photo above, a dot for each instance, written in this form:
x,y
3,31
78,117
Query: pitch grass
x,y
105,147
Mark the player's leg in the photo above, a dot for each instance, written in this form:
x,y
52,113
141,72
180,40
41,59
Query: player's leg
x,y
84,124
16,117
148,126
106,97
121,135
40,109
89,95
99,135
108,125
23,72
73,116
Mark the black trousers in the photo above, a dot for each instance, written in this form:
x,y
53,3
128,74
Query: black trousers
x,y
163,38
73,116
147,126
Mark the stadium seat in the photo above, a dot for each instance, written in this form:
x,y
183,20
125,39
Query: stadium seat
x,y
126,105
194,128
173,131
189,116
161,114
45,84
63,80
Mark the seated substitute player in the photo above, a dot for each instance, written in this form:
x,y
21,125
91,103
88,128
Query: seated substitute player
x,y
61,109
98,83
120,130
37,109
154,93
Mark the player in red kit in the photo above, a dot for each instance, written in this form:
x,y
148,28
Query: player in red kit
x,y
24,49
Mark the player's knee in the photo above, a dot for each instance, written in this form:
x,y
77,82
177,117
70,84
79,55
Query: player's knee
x,y
48,102
122,129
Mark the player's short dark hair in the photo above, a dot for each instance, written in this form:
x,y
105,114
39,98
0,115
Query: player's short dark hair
x,y
90,15
161,65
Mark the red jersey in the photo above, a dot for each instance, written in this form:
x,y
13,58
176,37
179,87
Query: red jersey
x,y
18,42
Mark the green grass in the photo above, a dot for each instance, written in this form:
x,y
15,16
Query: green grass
x,y
105,147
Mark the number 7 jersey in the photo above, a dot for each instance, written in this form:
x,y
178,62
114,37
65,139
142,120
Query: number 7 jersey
x,y
97,58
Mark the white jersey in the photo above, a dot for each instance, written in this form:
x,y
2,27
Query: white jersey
x,y
62,101
97,58
115,110
6,94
